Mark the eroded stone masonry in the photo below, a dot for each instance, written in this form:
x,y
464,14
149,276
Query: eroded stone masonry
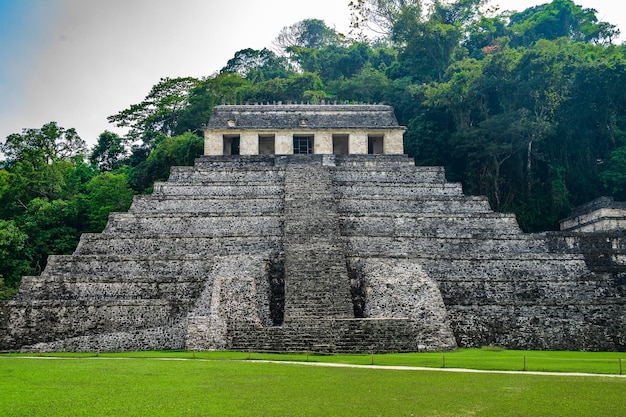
x,y
304,228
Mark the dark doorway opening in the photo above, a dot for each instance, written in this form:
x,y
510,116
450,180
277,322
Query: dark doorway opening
x,y
267,145
358,288
231,145
375,145
340,144
276,278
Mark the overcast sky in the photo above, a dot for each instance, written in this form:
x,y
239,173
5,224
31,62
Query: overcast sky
x,y
78,61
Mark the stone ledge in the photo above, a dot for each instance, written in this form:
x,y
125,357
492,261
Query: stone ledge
x,y
28,304
495,257
122,279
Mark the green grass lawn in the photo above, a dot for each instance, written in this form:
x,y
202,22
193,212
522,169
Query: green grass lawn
x,y
226,384
486,359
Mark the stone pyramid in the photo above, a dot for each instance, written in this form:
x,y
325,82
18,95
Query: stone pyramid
x,y
345,253
309,252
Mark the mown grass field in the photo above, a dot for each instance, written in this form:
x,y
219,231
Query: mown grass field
x,y
227,384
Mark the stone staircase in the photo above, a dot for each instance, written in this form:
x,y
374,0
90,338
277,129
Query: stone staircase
x,y
316,276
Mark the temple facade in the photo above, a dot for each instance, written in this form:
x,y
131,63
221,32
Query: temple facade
x,y
303,129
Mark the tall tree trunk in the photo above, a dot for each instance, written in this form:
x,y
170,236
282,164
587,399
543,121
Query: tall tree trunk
x,y
529,165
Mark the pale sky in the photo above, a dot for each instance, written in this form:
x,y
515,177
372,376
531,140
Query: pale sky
x,y
78,61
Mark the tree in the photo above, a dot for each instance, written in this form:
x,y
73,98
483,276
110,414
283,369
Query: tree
x,y
223,88
171,151
560,18
106,193
159,112
461,12
298,87
333,62
108,154
427,48
5,197
308,34
52,227
39,163
496,150
379,16
487,35
257,65
46,145
13,264
428,43
368,86
614,175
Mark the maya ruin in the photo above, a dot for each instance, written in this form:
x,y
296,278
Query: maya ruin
x,y
306,228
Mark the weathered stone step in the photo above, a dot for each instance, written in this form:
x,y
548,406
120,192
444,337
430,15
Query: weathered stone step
x,y
122,278
426,204
225,189
119,288
129,303
529,290
405,176
235,161
428,224
215,205
73,318
503,280
415,245
500,278
316,287
567,259
415,191
504,267
230,167
373,160
405,165
190,223
588,242
128,266
234,176
176,244
339,335
169,336
553,324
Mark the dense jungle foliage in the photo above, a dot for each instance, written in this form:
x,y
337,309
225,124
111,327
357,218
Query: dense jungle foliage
x,y
528,108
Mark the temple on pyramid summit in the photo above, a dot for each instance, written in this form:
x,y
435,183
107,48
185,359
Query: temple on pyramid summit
x,y
306,228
